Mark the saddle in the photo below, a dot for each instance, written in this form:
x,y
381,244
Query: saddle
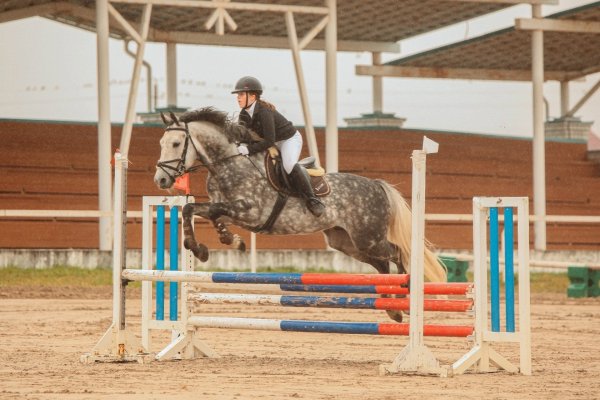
x,y
278,178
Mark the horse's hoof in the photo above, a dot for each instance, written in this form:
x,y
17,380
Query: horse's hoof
x,y
200,252
395,315
226,239
203,253
188,244
204,257
238,243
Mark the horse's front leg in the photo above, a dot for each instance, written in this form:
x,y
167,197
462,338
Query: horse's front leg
x,y
212,211
199,250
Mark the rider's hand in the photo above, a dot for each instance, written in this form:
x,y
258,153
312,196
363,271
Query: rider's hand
x,y
243,149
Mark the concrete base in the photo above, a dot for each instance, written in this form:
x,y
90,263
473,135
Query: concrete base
x,y
378,119
568,128
229,260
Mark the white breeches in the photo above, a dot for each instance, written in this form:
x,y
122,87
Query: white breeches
x,y
290,151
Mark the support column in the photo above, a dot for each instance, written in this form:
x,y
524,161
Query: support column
x,y
171,75
377,86
104,139
539,151
331,131
308,124
564,98
135,81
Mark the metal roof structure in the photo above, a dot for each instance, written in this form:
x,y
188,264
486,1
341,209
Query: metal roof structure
x,y
506,54
361,25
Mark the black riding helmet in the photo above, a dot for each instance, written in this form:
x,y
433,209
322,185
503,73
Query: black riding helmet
x,y
248,84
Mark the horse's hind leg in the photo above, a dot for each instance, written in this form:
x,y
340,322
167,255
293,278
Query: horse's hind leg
x,y
340,240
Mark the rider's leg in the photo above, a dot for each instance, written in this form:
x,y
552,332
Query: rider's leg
x,y
290,153
301,182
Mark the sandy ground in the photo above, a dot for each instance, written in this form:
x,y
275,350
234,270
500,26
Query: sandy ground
x,y
44,332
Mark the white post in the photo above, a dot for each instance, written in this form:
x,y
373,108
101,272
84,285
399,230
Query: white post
x,y
252,252
331,130
416,357
308,124
118,343
524,288
171,75
539,152
135,81
147,264
104,134
377,86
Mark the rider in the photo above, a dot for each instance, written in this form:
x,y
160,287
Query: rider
x,y
275,129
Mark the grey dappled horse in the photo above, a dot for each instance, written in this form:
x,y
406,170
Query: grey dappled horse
x,y
366,219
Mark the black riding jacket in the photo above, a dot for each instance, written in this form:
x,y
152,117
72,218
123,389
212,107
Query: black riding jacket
x,y
269,125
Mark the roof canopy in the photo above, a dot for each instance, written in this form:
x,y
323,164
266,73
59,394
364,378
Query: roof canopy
x,y
361,25
570,51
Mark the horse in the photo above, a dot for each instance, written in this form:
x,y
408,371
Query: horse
x,y
367,219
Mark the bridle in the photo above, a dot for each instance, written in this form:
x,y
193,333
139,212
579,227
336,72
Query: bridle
x,y
179,169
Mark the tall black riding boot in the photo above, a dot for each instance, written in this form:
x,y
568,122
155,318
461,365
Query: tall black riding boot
x,y
301,182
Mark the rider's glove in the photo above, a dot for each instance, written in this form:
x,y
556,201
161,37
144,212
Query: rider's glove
x,y
243,149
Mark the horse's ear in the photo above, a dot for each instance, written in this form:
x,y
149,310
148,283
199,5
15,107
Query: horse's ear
x,y
174,118
164,119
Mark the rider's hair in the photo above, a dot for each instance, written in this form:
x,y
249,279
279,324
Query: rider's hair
x,y
263,103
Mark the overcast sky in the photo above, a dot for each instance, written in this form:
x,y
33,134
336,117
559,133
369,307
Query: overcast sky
x,y
48,71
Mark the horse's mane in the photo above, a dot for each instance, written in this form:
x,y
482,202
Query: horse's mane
x,y
234,132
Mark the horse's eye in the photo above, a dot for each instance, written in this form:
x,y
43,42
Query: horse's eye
x,y
176,144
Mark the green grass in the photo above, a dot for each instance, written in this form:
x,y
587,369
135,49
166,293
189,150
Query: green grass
x,y
549,283
55,276
70,276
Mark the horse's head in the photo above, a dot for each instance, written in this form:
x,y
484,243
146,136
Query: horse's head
x,y
205,135
178,152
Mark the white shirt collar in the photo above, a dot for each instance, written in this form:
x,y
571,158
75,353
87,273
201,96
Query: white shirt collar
x,y
250,110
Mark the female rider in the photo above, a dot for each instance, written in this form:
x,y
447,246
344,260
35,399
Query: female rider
x,y
275,129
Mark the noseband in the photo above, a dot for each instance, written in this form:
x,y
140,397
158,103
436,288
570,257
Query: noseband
x,y
179,169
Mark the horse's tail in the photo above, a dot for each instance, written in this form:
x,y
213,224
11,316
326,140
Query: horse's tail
x,y
400,232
